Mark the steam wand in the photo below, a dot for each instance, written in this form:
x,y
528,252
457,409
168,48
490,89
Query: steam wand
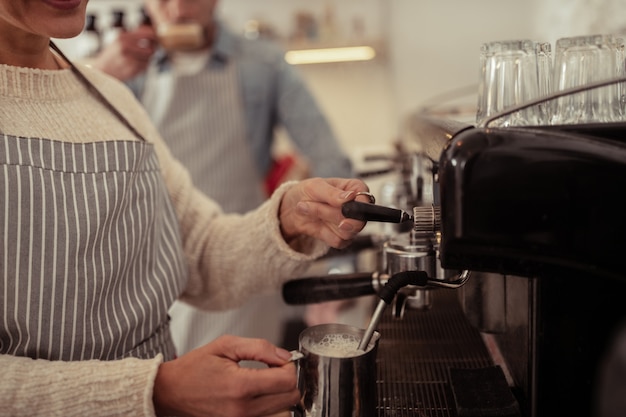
x,y
387,294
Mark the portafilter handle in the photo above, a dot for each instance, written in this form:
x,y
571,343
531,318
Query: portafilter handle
x,y
342,286
331,287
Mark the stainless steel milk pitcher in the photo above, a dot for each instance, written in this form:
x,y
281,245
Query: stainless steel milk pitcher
x,y
336,379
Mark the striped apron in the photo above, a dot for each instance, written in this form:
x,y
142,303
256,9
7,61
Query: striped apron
x,y
200,115
90,257
201,118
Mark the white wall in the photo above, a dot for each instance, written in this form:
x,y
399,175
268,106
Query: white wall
x,y
358,98
432,48
561,18
280,14
435,44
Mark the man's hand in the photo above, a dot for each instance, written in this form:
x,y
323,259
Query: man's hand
x,y
127,56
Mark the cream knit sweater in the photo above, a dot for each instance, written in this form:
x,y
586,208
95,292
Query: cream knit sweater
x,y
229,256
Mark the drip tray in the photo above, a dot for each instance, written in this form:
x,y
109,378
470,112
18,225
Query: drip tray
x,y
416,354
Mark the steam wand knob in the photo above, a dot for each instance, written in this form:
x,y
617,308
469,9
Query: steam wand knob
x,y
427,219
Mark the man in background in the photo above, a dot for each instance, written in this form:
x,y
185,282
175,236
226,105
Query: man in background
x,y
217,100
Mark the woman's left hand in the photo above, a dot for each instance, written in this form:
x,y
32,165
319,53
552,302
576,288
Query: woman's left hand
x,y
313,208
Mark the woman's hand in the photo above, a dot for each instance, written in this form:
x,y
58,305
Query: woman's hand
x,y
209,382
313,208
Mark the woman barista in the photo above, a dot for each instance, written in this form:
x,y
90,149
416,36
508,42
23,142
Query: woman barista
x,y
102,230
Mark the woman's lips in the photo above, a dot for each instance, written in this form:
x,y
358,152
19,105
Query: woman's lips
x,y
63,4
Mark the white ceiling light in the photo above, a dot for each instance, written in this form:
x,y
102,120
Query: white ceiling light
x,y
318,56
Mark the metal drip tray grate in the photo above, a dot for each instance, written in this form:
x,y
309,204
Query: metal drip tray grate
x,y
416,353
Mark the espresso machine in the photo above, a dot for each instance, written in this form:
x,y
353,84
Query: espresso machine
x,y
519,232
539,212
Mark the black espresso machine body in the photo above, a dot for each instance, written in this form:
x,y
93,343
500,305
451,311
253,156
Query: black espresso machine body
x,y
541,211
528,226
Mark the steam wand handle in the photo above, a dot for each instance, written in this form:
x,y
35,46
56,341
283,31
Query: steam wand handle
x,y
387,294
373,213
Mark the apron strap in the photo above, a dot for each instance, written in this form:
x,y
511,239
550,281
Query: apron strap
x,y
92,88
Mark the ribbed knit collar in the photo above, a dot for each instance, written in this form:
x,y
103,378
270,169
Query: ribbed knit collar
x,y
38,84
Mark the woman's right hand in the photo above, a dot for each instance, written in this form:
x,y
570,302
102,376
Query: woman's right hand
x,y
312,208
208,381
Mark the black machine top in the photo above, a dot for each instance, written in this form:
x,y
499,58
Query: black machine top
x,y
535,201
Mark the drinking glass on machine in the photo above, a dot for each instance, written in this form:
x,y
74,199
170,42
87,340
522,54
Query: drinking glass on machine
x,y
513,73
582,60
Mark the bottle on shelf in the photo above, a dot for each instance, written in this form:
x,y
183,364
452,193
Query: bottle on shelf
x,y
116,27
91,37
145,18
88,43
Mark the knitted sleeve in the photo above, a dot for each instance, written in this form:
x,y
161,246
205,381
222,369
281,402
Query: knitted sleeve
x,y
229,256
92,388
240,256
